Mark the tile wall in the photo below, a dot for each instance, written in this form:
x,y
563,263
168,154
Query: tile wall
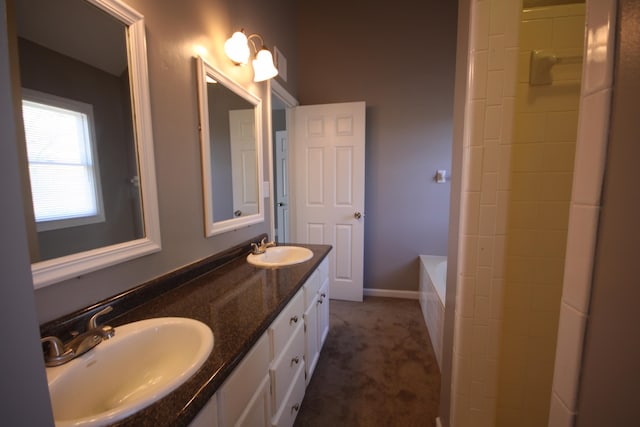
x,y
597,82
542,157
491,170
483,228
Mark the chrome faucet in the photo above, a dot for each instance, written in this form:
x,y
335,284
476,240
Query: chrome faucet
x,y
261,248
60,353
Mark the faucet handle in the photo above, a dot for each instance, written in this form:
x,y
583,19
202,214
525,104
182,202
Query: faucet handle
x,y
56,347
93,321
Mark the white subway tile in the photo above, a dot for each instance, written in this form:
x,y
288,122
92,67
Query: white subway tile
x,y
591,148
481,315
480,24
471,213
479,75
498,17
510,72
568,32
502,210
489,192
467,297
569,355
483,282
477,112
536,34
487,223
511,12
469,254
495,85
493,122
485,251
475,169
601,24
496,52
508,114
581,242
559,415
496,300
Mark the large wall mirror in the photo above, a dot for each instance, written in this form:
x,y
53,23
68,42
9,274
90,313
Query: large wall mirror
x,y
87,154
231,145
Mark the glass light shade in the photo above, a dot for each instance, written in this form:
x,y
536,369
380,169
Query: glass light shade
x,y
263,67
237,48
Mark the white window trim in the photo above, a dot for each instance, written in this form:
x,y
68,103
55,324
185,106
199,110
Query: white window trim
x,y
86,109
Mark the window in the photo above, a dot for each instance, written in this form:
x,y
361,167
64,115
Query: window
x,y
63,167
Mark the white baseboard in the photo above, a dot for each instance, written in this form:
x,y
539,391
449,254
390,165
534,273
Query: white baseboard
x,y
390,293
438,422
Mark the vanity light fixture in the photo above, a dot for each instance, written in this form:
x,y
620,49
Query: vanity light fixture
x,y
238,50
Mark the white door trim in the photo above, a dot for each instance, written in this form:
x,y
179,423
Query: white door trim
x,y
275,88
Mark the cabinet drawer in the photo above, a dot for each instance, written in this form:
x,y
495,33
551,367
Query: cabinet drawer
x,y
240,387
285,324
311,287
284,368
291,405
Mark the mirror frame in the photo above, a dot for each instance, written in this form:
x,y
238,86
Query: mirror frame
x,y
212,227
58,269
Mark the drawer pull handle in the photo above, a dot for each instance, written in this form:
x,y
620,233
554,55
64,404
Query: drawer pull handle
x,y
295,361
295,408
319,301
293,320
323,295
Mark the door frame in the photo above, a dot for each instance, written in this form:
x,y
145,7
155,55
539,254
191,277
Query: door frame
x,y
276,89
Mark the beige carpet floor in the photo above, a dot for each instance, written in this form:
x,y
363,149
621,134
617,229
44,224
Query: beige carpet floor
x,y
377,368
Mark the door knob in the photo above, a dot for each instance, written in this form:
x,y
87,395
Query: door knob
x,y
357,215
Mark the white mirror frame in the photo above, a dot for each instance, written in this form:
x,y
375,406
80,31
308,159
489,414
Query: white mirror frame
x,y
212,227
55,270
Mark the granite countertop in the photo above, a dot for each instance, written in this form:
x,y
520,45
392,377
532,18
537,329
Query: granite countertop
x,y
238,301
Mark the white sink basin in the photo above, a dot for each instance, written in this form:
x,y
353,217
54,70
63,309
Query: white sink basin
x,y
280,256
143,362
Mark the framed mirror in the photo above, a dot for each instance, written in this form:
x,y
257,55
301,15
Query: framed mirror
x,y
87,158
231,147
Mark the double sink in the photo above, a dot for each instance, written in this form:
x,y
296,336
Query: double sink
x,y
143,361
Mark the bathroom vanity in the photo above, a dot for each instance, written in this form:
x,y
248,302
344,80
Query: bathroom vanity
x,y
269,325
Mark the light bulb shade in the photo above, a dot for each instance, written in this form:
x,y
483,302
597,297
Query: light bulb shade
x,y
263,67
237,48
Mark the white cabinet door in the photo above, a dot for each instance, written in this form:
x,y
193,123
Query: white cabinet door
x,y
311,349
323,314
258,413
240,388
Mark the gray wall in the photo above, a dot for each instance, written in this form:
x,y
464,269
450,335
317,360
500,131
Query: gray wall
x,y
175,31
25,397
608,393
401,63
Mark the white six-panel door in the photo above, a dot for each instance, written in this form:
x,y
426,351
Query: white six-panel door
x,y
243,161
329,156
282,186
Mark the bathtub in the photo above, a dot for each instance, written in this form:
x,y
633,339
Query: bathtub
x,y
433,279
